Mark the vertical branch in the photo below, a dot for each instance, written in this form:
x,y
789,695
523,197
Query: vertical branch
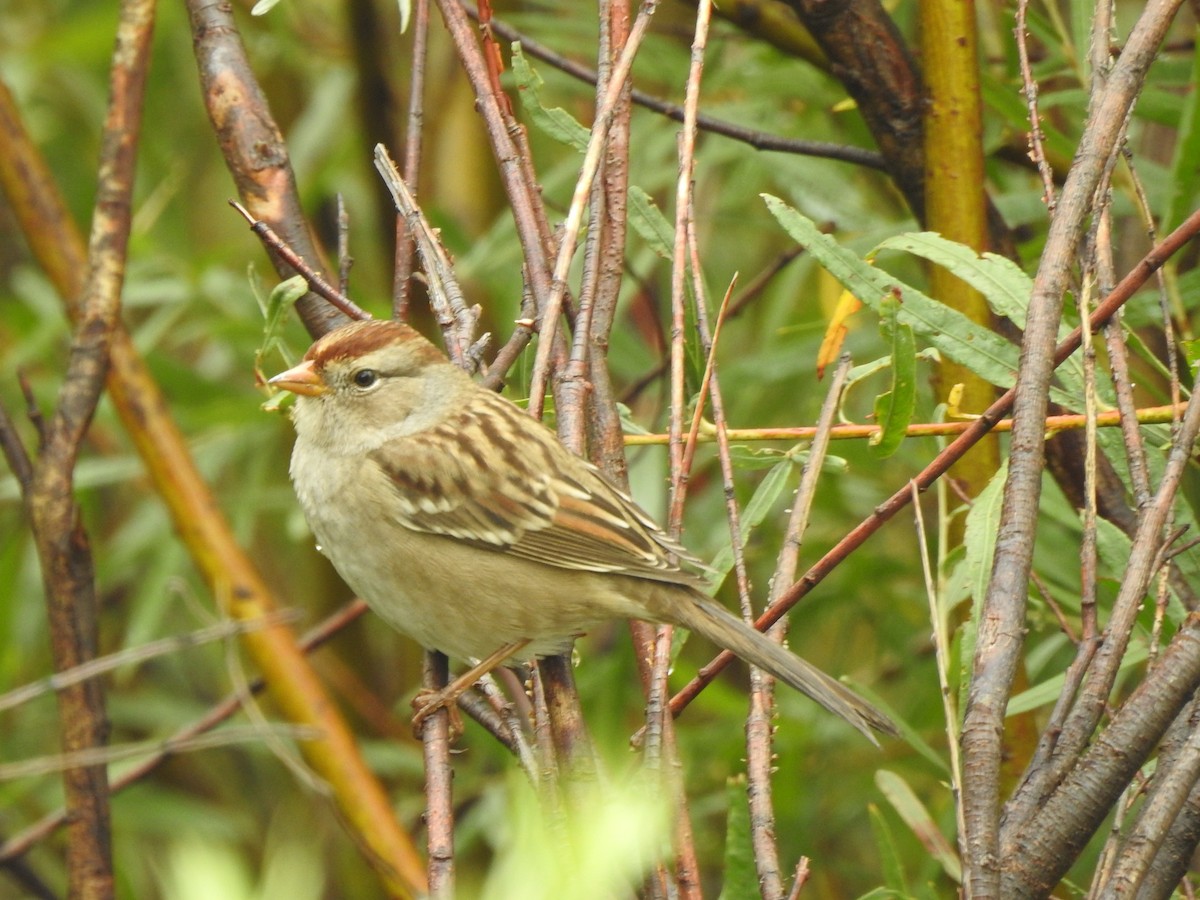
x,y
570,230
605,445
62,544
522,193
412,157
439,804
1029,87
759,759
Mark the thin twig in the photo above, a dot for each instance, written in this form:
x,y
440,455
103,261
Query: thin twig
x,y
1029,87
103,664
1150,415
345,260
942,651
569,235
316,281
112,753
403,263
759,140
457,320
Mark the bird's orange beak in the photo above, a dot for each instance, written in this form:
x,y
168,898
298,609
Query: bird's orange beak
x,y
301,379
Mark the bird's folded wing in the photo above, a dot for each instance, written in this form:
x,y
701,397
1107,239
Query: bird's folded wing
x,y
546,505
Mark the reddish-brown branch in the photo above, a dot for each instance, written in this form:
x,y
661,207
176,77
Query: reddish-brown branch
x,y
316,281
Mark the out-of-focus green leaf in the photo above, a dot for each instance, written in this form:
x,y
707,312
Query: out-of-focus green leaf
x,y
555,122
917,818
649,222
889,857
765,498
741,876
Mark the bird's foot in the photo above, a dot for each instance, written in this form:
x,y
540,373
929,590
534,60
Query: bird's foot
x,y
430,700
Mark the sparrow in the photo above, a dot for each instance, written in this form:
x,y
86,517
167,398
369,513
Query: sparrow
x,y
467,525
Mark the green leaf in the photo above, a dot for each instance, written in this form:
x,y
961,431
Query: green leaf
x,y
982,351
979,540
1191,349
917,818
555,122
894,409
275,310
1185,169
1001,281
1003,284
649,222
889,856
766,496
741,876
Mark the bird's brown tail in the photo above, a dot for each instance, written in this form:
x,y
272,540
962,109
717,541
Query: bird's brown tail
x,y
707,617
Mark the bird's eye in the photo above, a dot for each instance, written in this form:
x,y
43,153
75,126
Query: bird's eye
x,y
364,378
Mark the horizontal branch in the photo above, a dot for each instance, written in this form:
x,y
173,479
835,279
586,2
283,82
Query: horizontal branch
x,y
1150,415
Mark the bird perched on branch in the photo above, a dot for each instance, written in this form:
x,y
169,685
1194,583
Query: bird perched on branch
x,y
467,525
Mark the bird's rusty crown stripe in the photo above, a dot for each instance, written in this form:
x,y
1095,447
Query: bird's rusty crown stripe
x,y
361,338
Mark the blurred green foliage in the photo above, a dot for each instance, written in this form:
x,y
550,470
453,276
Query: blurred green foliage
x,y
236,822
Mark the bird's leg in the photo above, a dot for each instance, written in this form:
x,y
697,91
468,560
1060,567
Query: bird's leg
x,y
429,701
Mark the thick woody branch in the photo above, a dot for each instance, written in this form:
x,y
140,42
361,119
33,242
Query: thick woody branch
x,y
253,148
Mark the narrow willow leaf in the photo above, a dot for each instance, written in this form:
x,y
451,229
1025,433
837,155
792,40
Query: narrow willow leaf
x,y
1001,281
917,818
982,351
283,297
275,311
649,222
894,409
885,849
555,122
766,496
972,575
1003,284
979,538
741,876
1185,173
